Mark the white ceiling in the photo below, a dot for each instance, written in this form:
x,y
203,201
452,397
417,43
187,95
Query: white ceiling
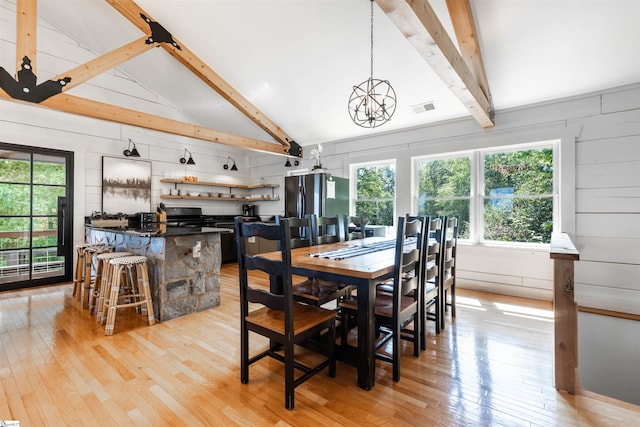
x,y
297,60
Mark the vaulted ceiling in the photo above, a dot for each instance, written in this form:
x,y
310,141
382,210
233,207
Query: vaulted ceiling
x,y
293,63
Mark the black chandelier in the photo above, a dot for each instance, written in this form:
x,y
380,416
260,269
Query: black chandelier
x,y
372,102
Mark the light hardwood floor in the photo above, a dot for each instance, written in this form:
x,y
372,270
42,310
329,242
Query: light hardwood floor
x,y
491,366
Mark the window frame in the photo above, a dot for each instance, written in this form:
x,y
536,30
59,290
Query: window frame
x,y
353,183
477,184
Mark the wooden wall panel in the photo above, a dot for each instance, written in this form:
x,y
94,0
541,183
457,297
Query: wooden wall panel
x,y
621,101
609,249
597,151
603,200
623,226
610,275
608,175
620,300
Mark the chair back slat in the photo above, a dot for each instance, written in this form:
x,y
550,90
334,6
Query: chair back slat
x,y
300,230
279,271
327,229
357,221
268,299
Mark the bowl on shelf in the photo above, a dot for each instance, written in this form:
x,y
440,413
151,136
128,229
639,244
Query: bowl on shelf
x,y
205,194
194,194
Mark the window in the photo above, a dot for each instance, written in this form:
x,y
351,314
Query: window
x,y
375,191
504,195
444,188
517,195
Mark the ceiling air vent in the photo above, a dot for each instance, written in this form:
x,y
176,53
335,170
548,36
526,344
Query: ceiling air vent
x,y
421,108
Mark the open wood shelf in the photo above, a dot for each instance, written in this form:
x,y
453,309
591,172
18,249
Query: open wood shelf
x,y
218,184
232,199
228,198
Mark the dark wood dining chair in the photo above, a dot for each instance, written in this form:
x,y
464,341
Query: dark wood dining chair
x,y
360,227
449,248
316,291
429,261
281,319
431,264
395,311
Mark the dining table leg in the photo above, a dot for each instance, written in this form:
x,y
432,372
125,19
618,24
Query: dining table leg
x,y
366,336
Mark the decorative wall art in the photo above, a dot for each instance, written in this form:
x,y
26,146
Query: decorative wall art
x,y
126,185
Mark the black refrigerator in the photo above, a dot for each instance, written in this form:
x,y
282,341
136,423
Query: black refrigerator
x,y
317,193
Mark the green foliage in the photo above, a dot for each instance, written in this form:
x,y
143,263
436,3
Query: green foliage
x,y
518,192
444,188
375,193
509,176
528,172
19,200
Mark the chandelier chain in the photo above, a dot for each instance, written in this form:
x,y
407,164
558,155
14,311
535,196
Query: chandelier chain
x,y
372,102
371,55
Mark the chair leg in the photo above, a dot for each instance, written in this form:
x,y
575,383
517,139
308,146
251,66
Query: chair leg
x,y
423,326
244,352
113,301
289,376
143,282
417,333
103,292
331,350
453,300
396,351
442,305
78,277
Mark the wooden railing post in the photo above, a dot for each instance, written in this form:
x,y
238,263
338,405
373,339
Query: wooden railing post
x,y
564,253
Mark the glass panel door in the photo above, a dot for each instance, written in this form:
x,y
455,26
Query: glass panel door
x,y
35,221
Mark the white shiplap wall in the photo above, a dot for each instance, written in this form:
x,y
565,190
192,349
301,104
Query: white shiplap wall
x,y
91,139
600,158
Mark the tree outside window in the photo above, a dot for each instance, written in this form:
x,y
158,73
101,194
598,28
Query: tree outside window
x,y
512,193
518,196
375,192
444,188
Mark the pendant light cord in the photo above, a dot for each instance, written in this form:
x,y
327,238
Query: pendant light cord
x,y
371,56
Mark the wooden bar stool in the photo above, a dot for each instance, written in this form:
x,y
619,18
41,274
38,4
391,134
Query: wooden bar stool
x,y
98,288
130,275
89,253
78,277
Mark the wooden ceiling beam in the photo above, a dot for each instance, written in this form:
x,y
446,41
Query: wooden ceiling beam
x,y
467,36
26,32
418,22
132,12
88,70
99,110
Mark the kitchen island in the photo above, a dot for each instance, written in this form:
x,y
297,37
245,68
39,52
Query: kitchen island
x,y
183,263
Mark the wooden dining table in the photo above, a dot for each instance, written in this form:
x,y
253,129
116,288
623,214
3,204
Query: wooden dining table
x,y
364,271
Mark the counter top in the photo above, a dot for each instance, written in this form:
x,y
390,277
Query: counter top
x,y
159,230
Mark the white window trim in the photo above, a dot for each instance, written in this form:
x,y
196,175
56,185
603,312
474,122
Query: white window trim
x,y
476,206
353,184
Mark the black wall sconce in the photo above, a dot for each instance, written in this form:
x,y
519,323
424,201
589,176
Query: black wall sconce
x,y
184,160
129,152
288,163
233,167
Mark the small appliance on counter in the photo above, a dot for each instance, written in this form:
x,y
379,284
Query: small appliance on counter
x,y
142,218
249,210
